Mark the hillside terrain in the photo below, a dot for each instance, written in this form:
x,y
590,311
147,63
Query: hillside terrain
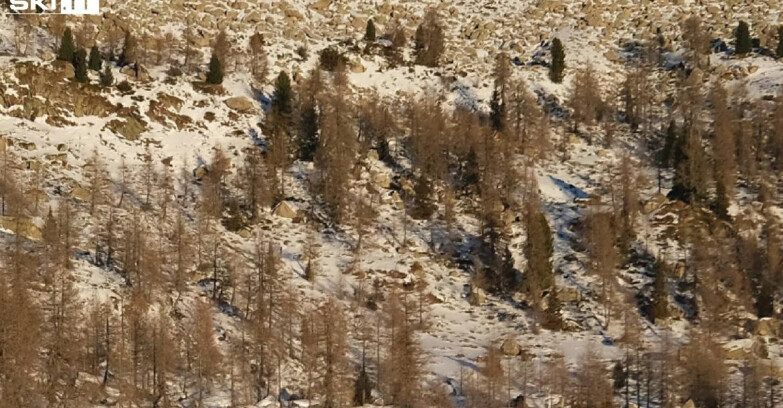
x,y
397,203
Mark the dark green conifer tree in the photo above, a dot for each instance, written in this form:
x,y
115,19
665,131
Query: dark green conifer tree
x,y
538,251
67,47
96,61
369,34
80,65
283,95
215,73
556,70
744,42
107,78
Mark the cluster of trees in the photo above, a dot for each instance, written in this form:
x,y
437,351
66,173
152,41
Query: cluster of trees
x,y
708,143
665,374
81,64
158,341
123,48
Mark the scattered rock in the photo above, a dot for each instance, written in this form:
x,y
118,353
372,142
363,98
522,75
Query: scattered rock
x,y
321,5
200,171
136,73
511,348
80,193
477,297
240,104
130,128
285,210
767,327
65,68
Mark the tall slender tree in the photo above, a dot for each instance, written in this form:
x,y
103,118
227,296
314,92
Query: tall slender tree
x,y
779,49
67,47
369,33
215,73
743,41
96,61
557,67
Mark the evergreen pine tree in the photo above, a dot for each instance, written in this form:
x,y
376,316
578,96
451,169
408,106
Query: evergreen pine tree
x,y
765,299
659,307
80,65
281,102
779,51
95,59
744,43
215,74
369,34
67,47
107,78
430,40
558,61
539,250
308,133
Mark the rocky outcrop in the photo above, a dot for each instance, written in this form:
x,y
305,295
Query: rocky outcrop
x,y
23,226
130,128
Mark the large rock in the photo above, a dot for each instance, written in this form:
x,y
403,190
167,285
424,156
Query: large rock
x,y
511,348
129,128
254,17
65,68
286,210
200,172
81,194
321,5
240,104
767,327
477,297
136,73
737,353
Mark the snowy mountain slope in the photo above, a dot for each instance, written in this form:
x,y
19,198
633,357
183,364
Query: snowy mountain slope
x,y
458,333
